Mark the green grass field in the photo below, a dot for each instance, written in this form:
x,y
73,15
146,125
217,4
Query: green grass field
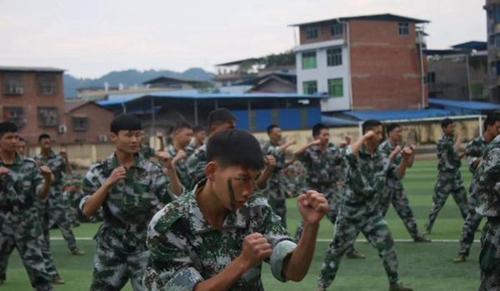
x,y
425,266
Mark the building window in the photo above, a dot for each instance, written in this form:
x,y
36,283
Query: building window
x,y
334,57
309,60
335,88
48,116
311,33
12,84
47,84
497,68
497,41
496,13
310,87
431,78
80,123
404,28
15,115
337,30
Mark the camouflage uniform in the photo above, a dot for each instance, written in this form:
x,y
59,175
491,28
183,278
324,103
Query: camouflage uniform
x,y
474,151
449,180
276,192
196,165
295,178
147,152
57,208
366,177
182,166
130,204
322,176
394,193
186,249
19,221
488,193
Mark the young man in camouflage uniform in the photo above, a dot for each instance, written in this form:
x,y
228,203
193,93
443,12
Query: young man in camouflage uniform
x,y
366,176
219,119
146,150
130,189
324,163
217,236
449,180
200,134
488,192
277,184
57,208
394,192
474,151
22,184
179,150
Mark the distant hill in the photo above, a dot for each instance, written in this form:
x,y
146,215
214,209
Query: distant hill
x,y
130,78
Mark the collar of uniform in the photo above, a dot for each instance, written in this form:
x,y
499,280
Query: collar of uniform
x,y
51,155
18,160
113,162
234,219
171,150
445,136
364,153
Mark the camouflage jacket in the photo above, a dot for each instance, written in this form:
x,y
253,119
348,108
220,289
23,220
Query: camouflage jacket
x,y
474,150
147,151
276,181
20,187
447,154
130,203
366,177
196,165
386,148
323,167
185,249
57,165
488,181
182,166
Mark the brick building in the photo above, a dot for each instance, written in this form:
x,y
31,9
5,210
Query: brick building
x,y
492,8
33,98
87,122
363,63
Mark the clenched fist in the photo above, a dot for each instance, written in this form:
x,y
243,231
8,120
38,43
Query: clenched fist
x,y
312,206
256,248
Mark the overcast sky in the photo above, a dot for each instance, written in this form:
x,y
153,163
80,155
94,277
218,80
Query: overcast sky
x,y
93,37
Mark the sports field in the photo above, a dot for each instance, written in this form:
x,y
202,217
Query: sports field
x,y
424,266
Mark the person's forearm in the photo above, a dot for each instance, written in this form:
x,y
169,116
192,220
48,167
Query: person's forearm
x,y
175,184
283,148
401,169
262,180
45,189
297,266
301,150
225,279
68,167
162,145
411,160
95,201
356,146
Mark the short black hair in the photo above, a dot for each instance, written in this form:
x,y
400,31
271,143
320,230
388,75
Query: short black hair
x,y
370,124
8,126
446,122
198,128
220,116
43,136
182,125
317,128
489,121
391,127
22,139
125,122
235,147
271,127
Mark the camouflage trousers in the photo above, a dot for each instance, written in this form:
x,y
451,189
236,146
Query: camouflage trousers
x,y
446,184
46,252
471,224
399,200
26,236
351,221
489,259
59,216
112,269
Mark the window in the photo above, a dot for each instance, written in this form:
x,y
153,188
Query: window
x,y
496,13
497,41
12,84
337,30
309,60
404,28
497,68
431,78
15,115
48,116
311,33
310,87
335,88
80,123
334,57
47,84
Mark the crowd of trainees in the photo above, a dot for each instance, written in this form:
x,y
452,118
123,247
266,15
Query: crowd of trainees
x,y
205,221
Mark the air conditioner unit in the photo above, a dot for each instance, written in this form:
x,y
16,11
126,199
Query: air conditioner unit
x,y
103,138
19,90
62,128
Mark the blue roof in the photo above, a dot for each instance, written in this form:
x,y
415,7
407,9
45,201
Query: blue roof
x,y
336,121
397,114
469,105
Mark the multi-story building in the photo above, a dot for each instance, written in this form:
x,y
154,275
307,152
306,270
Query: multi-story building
x,y
492,8
33,98
363,63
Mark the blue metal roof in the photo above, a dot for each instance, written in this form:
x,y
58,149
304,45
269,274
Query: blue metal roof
x,y
397,114
469,105
336,121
